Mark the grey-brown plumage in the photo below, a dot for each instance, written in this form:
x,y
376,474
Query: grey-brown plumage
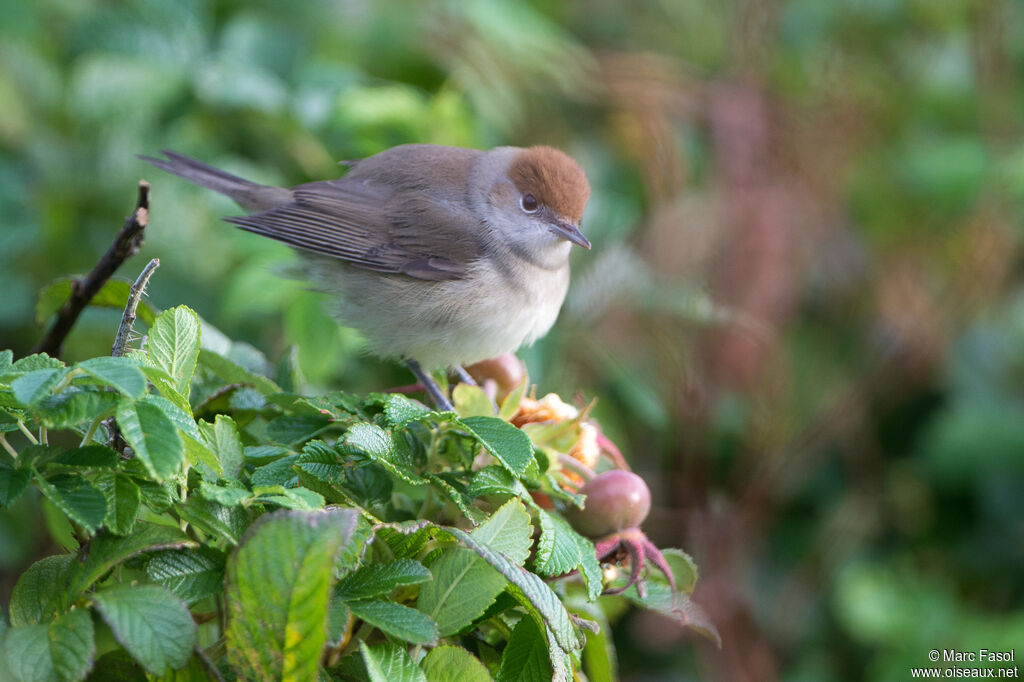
x,y
438,254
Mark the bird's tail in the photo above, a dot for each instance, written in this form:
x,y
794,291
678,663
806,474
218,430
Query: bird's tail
x,y
249,195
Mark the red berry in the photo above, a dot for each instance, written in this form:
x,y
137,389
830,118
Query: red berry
x,y
616,500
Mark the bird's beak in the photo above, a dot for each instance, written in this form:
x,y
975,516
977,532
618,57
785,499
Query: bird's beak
x,y
569,232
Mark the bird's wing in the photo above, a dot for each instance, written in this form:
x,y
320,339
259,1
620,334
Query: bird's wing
x,y
376,226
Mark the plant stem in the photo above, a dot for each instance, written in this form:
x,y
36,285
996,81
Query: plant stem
x,y
7,446
28,434
90,433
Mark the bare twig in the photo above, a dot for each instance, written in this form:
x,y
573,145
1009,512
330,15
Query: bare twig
x,y
125,245
128,319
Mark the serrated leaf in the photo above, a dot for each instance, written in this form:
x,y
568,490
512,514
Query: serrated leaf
x,y
174,345
289,498
152,624
462,589
81,501
119,373
496,480
32,387
526,654
222,436
471,401
12,482
509,445
396,620
454,664
27,650
191,575
123,501
558,550
72,644
279,472
74,406
153,437
229,495
399,410
374,580
30,363
387,662
278,584
508,531
290,429
231,372
106,552
535,590
89,457
38,593
215,519
377,443
165,384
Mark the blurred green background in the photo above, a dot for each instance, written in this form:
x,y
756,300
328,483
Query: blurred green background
x,y
803,315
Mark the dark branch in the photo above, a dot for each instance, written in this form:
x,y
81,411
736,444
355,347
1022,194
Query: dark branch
x,y
125,245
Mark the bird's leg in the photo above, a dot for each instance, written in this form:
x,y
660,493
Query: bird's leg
x,y
440,400
464,376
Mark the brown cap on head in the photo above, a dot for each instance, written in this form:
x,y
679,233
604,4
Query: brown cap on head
x,y
553,178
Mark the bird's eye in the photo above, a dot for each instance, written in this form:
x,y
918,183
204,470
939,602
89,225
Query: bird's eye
x,y
529,203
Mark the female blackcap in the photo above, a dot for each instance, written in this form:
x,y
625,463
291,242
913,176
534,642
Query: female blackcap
x,y
440,256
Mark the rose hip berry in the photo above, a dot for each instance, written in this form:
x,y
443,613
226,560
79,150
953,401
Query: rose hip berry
x,y
616,500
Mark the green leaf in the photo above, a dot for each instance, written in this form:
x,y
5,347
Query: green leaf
x,y
81,501
153,437
27,650
230,372
12,482
675,605
558,550
462,589
119,373
106,552
152,624
508,531
289,498
396,620
289,429
471,401
174,345
123,501
374,580
229,496
192,575
30,363
223,438
509,445
74,406
62,650
215,519
526,655
32,387
89,457
454,664
399,410
165,385
496,480
378,445
534,590
278,584
388,662
72,644
117,665
38,593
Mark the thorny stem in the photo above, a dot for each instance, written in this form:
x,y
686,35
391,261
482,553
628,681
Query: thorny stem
x,y
134,296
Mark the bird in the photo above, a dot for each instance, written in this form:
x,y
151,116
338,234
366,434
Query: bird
x,y
441,256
